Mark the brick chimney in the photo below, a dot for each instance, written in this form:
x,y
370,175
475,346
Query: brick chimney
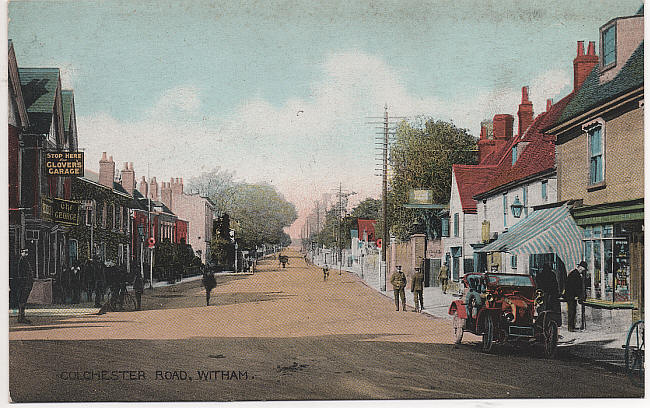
x,y
153,188
166,194
583,63
486,140
525,113
106,171
144,187
176,185
549,104
128,178
503,126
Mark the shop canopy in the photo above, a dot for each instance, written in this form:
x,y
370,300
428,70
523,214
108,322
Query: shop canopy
x,y
548,230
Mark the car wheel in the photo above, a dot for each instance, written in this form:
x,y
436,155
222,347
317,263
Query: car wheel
x,y
458,324
550,338
488,333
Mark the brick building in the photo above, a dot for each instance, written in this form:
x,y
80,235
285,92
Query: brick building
x,y
600,164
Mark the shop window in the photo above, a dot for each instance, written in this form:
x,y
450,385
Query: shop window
x,y
608,266
596,161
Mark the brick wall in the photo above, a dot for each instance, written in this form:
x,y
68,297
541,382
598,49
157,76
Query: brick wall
x,y
623,163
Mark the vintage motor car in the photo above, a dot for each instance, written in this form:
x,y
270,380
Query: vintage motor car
x,y
504,308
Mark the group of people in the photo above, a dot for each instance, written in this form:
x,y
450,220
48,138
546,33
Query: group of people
x,y
398,281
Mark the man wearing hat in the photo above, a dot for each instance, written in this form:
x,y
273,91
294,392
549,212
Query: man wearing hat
x,y
574,291
443,277
417,286
398,280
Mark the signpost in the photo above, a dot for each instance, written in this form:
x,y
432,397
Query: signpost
x,y
152,244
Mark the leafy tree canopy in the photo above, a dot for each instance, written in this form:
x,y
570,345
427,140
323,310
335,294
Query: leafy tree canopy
x,y
421,158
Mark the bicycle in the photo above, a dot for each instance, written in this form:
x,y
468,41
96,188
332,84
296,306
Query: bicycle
x,y
635,352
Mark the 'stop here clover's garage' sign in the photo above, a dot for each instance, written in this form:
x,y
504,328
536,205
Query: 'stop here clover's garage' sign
x,y
69,164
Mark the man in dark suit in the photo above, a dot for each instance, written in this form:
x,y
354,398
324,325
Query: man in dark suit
x,y
574,291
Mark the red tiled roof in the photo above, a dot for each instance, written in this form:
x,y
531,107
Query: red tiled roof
x,y
469,179
538,156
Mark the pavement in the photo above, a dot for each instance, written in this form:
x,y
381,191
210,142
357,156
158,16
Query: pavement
x,y
600,345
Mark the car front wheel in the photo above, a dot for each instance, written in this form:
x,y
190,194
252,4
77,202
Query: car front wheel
x,y
458,324
488,333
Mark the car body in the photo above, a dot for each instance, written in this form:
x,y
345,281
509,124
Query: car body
x,y
504,308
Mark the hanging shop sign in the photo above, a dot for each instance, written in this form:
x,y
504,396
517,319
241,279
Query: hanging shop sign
x,y
60,211
68,164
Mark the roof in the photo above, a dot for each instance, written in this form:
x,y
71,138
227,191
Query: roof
x,y
93,176
469,179
367,226
537,157
549,230
39,93
592,93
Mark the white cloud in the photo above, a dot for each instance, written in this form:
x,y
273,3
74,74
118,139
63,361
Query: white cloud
x,y
303,154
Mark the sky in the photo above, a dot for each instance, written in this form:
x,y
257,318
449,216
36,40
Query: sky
x,y
180,87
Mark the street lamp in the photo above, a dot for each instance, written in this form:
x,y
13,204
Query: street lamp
x,y
517,207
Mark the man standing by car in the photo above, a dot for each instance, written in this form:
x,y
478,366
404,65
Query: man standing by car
x,y
546,281
443,277
574,291
417,286
398,280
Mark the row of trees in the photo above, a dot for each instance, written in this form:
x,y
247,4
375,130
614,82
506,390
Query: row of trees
x,y
258,212
420,158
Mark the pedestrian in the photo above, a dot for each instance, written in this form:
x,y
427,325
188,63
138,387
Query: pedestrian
x,y
417,286
574,292
326,272
100,282
138,288
209,283
546,281
25,283
398,280
443,277
75,282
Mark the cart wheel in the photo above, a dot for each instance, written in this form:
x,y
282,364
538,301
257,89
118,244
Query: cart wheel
x,y
458,324
550,338
488,333
635,352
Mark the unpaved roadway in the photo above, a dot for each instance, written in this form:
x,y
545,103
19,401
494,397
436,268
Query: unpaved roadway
x,y
279,334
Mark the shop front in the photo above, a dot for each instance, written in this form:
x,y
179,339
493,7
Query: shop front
x,y
613,250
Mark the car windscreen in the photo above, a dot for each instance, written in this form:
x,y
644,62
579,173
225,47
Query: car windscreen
x,y
511,280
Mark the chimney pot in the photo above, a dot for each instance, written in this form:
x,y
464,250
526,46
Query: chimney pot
x,y
549,103
103,156
591,49
581,48
524,94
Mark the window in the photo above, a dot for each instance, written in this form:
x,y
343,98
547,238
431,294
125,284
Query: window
x,y
524,193
595,155
505,210
608,44
513,261
607,254
445,226
514,154
456,224
545,190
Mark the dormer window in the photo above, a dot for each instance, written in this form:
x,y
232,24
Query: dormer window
x,y
608,46
514,154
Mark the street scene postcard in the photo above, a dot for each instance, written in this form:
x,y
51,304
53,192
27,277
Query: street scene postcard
x,y
347,200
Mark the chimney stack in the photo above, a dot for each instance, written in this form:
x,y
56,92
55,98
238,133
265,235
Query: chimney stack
x,y
525,113
583,64
153,188
549,104
144,188
166,194
128,178
106,171
486,141
503,126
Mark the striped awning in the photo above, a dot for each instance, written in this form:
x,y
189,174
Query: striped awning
x,y
549,230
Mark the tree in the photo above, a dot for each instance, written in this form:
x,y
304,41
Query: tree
x,y
421,157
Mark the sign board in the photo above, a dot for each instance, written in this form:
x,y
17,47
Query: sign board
x,y
379,243
60,211
420,196
67,164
